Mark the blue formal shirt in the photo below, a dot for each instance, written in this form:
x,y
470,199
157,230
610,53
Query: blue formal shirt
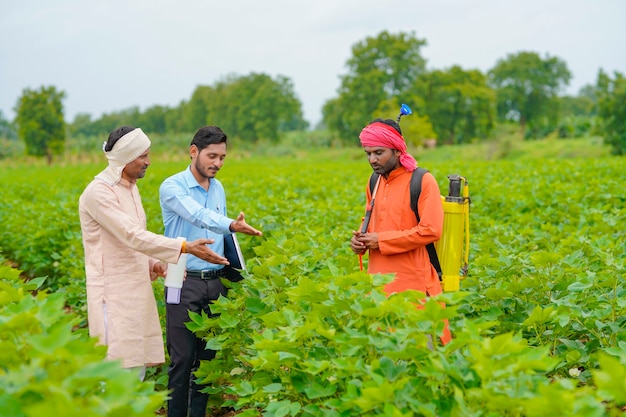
x,y
191,212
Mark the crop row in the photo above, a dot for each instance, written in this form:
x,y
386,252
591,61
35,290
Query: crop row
x,y
308,333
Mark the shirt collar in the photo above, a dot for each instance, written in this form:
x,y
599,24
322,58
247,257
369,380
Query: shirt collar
x,y
191,181
396,173
124,182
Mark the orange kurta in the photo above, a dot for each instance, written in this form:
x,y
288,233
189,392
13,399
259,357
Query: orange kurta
x,y
401,240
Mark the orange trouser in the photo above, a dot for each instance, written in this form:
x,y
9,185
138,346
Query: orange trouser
x,y
398,286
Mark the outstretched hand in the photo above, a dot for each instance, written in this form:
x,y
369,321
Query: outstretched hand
x,y
200,249
241,226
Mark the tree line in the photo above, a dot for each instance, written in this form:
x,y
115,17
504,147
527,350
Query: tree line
x,y
451,106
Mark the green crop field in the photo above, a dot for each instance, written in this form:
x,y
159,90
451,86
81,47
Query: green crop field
x,y
538,326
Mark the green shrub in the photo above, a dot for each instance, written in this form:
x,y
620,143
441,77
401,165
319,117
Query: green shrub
x,y
11,148
47,369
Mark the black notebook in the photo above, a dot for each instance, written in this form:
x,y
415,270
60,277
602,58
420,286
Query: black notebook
x,y
232,252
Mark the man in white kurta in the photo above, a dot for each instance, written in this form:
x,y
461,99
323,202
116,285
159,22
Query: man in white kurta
x,y
120,255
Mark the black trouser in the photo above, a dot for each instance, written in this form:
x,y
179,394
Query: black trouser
x,y
185,349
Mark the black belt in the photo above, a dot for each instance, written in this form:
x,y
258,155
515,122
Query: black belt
x,y
206,274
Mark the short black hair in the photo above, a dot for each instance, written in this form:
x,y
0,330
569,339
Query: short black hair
x,y
389,122
208,135
115,135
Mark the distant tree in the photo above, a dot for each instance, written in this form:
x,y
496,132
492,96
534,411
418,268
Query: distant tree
x,y
251,107
40,121
255,107
460,104
577,114
589,91
175,121
584,104
577,106
527,87
9,145
82,125
416,129
380,68
612,110
6,130
153,119
197,109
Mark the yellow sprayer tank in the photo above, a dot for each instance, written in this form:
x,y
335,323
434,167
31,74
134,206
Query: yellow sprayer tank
x,y
453,247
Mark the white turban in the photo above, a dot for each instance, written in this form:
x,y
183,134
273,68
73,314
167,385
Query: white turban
x,y
128,148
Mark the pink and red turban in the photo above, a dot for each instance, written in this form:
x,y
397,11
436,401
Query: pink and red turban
x,y
383,135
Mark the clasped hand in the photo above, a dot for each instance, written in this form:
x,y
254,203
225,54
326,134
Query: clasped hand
x,y
361,242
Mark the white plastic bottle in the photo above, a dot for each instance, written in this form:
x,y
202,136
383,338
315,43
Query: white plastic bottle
x,y
174,279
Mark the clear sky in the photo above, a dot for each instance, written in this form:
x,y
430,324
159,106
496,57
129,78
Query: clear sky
x,y
109,55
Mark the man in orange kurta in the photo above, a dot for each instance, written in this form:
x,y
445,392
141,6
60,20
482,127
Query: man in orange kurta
x,y
395,240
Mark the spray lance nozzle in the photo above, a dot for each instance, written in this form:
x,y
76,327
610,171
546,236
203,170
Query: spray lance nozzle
x,y
457,187
404,111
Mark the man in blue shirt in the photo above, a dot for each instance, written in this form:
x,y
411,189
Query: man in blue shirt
x,y
193,203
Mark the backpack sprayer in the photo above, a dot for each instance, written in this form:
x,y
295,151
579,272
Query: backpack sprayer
x,y
453,246
450,254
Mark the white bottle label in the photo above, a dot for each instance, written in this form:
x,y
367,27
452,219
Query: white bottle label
x,y
176,272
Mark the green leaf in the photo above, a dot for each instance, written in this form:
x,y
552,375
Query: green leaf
x,y
58,336
272,388
611,379
318,391
579,286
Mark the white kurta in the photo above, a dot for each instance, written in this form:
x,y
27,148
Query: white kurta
x,y
119,254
